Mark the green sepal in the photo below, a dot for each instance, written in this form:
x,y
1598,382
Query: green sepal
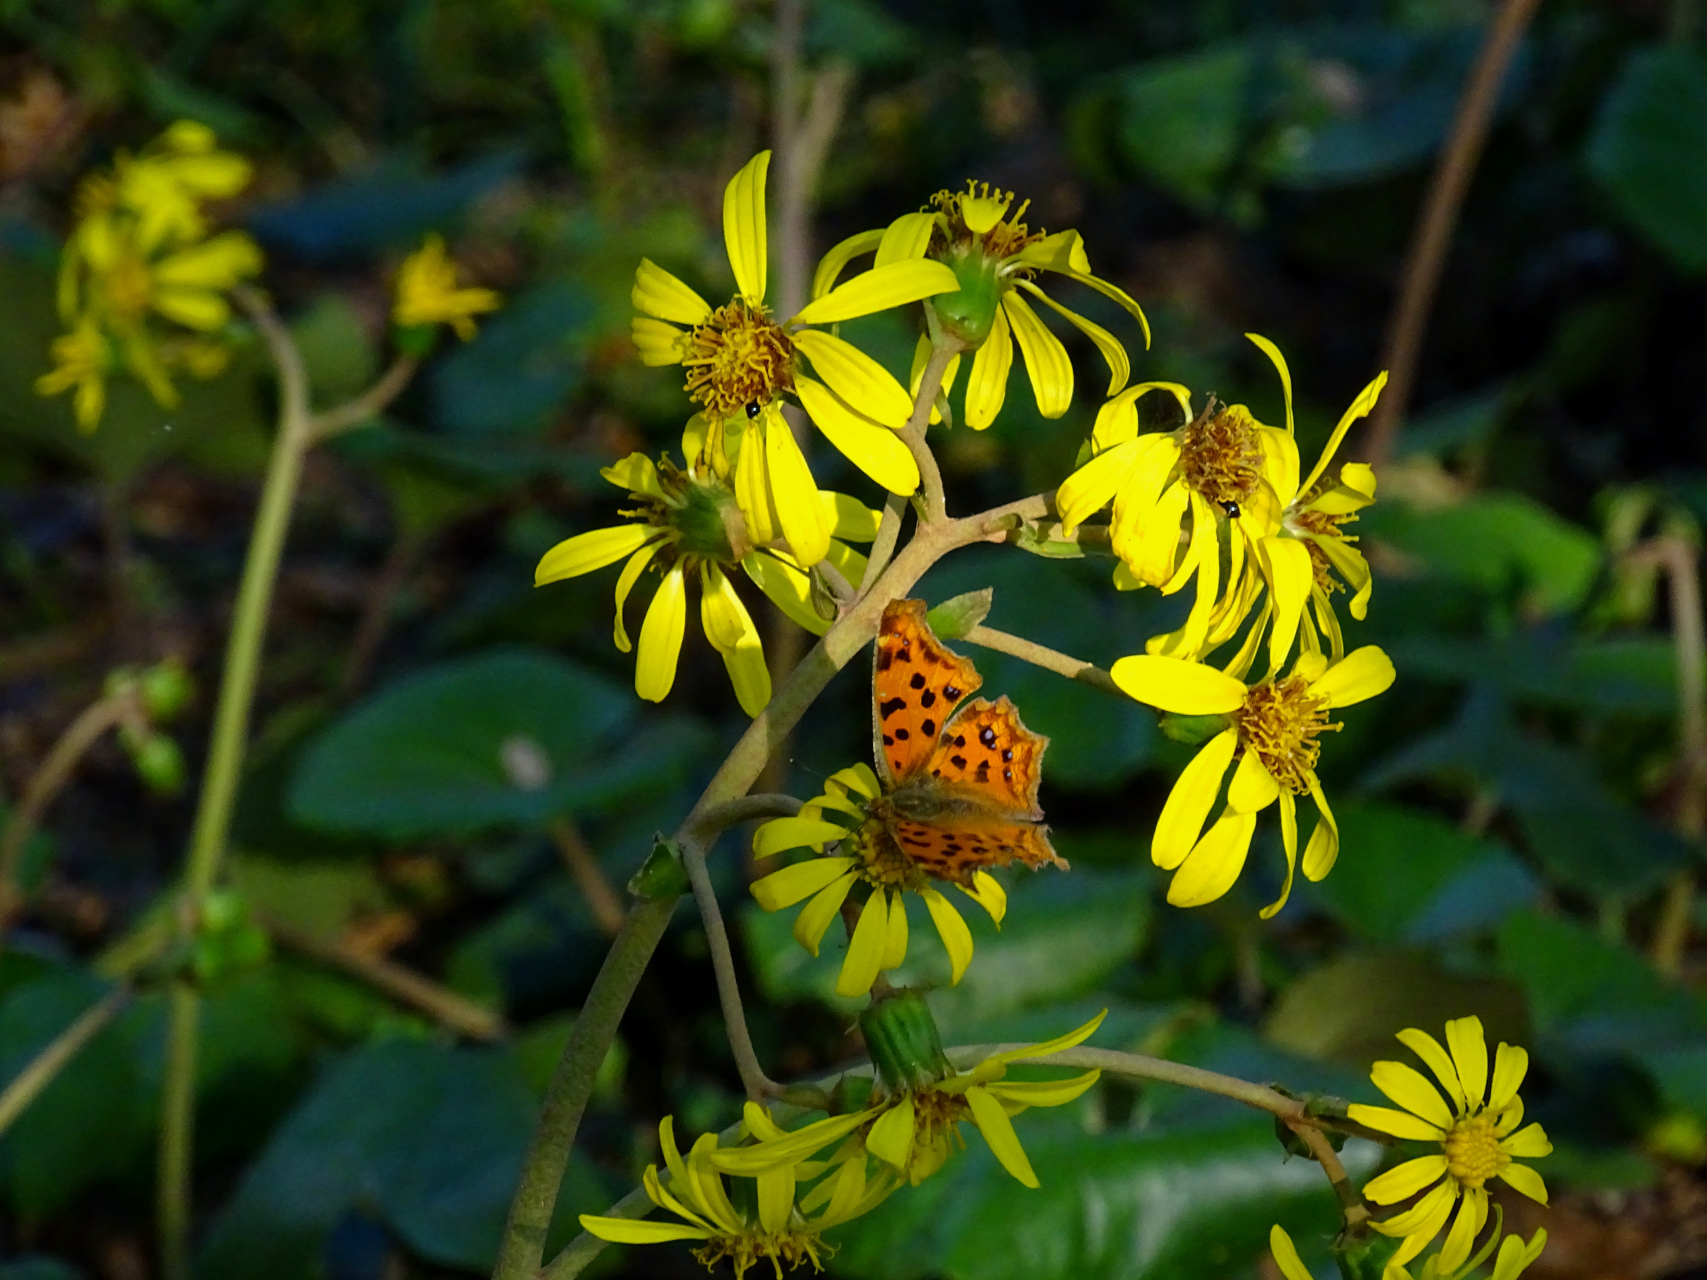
x,y
1043,538
415,340
902,1038
1192,730
851,1093
1364,1255
957,615
662,875
969,313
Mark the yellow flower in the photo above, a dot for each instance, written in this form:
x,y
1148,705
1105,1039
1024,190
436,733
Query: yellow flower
x,y
774,1228
740,361
994,257
81,360
427,292
689,526
912,1127
867,853
1476,1125
1272,728
166,184
1514,1259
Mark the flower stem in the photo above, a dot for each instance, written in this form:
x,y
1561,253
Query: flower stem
x,y
1040,656
28,1084
930,382
176,1157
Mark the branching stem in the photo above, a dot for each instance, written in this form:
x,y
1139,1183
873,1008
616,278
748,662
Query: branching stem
x,y
1041,656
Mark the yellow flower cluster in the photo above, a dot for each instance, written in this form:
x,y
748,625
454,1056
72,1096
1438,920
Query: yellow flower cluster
x,y
142,253
1218,504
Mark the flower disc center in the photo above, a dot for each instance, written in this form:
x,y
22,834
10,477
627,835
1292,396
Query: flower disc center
x,y
737,358
1280,722
1221,457
1473,1152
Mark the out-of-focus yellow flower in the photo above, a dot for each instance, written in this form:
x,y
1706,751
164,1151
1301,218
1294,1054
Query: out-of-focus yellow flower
x,y
740,362
427,292
1476,1125
1272,728
1514,1258
81,359
689,527
765,1227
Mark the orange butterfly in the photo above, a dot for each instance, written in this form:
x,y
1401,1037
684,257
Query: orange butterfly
x,y
959,788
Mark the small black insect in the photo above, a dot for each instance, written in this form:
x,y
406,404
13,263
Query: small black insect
x,y
753,409
1231,508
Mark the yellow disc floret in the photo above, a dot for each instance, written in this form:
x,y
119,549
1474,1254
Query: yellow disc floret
x,y
1280,722
737,358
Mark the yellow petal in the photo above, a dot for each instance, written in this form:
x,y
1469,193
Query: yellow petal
x,y
1362,674
1253,786
1364,402
1422,1220
660,294
629,1231
1190,801
1117,420
586,552
1469,1048
988,893
1511,1064
1273,353
1043,1093
1172,684
1290,574
1324,848
794,492
1515,1256
875,450
787,587
916,375
624,584
721,616
635,474
1524,1180
830,266
1472,1214
895,945
661,639
1528,1143
1401,1124
1406,1180
905,238
856,377
998,1131
659,343
1094,485
1289,843
1286,1256
848,517
1113,354
987,384
815,917
982,213
1437,1060
1407,1087
1047,1048
1210,869
865,949
891,1137
744,227
788,886
956,937
776,1197
879,289
1046,361
780,834
1064,252
1108,290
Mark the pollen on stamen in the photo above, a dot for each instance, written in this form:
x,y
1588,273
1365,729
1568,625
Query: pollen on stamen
x,y
1280,722
1220,456
1322,525
736,359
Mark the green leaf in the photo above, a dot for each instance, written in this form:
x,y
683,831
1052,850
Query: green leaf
x,y
429,1138
1181,120
336,350
1407,876
1350,1008
1497,541
1590,995
1192,1204
510,738
1649,150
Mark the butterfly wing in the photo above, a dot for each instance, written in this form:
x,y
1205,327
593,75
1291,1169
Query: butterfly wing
x,y
975,803
916,684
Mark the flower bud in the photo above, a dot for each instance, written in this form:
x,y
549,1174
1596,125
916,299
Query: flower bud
x,y
903,1041
662,875
166,690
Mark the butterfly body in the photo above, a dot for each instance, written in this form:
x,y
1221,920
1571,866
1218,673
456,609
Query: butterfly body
x,y
959,782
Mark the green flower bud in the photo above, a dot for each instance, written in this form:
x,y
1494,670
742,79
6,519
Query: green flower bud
x,y
159,762
903,1041
662,875
166,690
970,312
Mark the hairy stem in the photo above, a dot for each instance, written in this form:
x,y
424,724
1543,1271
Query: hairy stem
x,y
1041,656
28,1084
930,476
1426,258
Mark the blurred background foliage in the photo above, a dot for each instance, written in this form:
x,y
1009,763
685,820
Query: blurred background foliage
x,y
449,765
